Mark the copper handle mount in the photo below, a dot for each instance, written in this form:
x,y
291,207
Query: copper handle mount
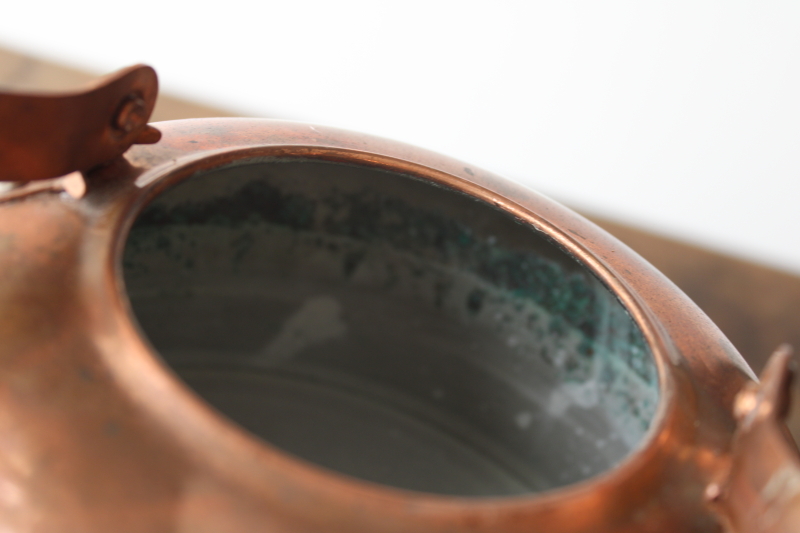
x,y
45,136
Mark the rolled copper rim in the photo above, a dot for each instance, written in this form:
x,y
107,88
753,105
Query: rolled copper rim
x,y
613,485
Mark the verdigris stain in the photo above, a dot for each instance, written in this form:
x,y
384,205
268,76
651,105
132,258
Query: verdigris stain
x,y
430,303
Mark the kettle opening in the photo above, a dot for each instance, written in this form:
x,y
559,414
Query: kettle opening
x,y
388,328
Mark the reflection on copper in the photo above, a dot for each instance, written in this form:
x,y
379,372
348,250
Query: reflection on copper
x,y
99,434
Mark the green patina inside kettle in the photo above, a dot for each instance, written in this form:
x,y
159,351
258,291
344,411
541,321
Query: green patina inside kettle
x,y
389,329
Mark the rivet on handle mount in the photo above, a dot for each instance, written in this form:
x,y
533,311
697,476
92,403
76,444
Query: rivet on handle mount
x,y
44,136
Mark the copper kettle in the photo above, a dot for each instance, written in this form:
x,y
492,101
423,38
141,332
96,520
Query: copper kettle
x,y
253,325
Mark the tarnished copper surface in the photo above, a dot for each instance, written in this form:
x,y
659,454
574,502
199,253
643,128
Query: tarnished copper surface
x,y
45,136
118,443
96,434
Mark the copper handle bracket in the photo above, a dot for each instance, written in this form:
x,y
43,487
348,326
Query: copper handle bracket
x,y
46,136
759,490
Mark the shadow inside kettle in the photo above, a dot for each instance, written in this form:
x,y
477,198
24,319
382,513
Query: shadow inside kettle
x,y
389,328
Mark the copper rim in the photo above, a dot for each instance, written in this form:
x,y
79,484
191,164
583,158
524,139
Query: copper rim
x,y
108,437
152,182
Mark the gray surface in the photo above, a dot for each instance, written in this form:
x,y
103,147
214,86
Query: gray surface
x,y
389,329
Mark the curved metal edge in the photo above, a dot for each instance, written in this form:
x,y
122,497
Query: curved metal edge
x,y
699,370
135,450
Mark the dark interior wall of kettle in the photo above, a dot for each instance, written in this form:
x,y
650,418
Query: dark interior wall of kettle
x,y
389,329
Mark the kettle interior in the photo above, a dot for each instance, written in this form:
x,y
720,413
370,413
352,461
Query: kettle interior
x,y
388,328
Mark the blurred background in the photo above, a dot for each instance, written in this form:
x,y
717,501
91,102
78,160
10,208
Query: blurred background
x,y
676,125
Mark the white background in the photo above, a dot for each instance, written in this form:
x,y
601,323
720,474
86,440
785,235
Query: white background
x,y
681,117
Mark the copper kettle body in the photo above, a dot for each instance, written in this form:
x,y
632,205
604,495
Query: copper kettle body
x,y
257,325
